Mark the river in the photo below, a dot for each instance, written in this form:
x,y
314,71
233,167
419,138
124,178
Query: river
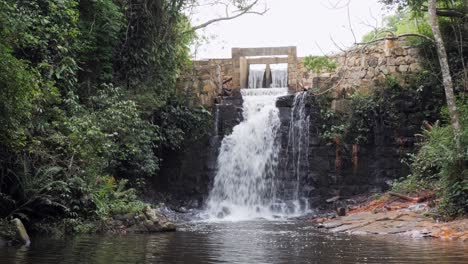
x,y
238,242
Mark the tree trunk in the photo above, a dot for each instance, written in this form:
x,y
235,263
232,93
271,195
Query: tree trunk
x,y
447,78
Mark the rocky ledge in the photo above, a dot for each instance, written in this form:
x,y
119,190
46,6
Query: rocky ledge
x,y
148,221
395,217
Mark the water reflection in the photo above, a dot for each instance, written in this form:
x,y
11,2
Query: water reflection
x,y
243,242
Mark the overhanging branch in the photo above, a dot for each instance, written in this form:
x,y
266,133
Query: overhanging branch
x,y
397,37
240,12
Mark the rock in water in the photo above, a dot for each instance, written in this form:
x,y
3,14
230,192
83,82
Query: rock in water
x,y
148,221
341,211
21,233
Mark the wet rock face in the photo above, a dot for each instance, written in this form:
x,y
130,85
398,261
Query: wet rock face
x,y
378,161
285,101
186,175
312,169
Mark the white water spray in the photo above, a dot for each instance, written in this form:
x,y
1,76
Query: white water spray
x,y
244,184
279,75
256,75
298,143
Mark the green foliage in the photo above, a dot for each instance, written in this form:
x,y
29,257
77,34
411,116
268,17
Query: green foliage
x,y
363,113
385,108
319,63
101,24
110,135
181,124
333,126
402,22
353,127
113,198
437,165
88,102
412,18
18,92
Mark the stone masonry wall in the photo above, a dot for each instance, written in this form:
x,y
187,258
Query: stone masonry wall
x,y
206,80
362,69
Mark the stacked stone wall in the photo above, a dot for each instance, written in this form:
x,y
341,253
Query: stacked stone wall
x,y
362,69
206,80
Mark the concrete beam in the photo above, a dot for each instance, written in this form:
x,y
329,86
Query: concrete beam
x,y
264,51
267,60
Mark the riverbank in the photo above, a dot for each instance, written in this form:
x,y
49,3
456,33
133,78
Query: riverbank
x,y
390,215
149,220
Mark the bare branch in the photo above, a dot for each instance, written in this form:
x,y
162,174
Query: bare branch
x,y
318,46
393,37
336,45
240,12
349,23
337,5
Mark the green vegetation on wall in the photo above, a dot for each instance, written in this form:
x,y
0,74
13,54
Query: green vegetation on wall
x,y
319,63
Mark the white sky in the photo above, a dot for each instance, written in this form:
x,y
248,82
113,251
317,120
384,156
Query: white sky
x,y
301,23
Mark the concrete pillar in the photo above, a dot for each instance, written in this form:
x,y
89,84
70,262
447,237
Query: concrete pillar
x,y
244,72
292,69
235,68
268,79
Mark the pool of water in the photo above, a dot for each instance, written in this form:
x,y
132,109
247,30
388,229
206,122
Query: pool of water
x,y
239,242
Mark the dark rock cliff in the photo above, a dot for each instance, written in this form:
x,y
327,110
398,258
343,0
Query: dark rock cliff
x,y
331,169
186,175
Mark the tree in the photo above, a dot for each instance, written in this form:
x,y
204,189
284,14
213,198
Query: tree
x,y
454,10
447,78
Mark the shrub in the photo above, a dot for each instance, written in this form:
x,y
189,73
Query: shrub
x,y
319,63
437,165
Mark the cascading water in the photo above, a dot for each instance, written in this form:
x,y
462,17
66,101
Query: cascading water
x,y
256,76
298,154
247,185
279,75
244,186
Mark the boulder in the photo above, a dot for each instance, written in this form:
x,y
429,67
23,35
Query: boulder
x,y
148,221
285,101
168,227
3,242
21,233
341,211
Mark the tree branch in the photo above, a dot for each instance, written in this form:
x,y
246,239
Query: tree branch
x,y
447,12
397,37
241,12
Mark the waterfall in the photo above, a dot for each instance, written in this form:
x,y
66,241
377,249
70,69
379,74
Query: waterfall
x,y
298,152
256,76
279,75
244,186
247,184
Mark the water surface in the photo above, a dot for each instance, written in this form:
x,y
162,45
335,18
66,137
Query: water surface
x,y
241,242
